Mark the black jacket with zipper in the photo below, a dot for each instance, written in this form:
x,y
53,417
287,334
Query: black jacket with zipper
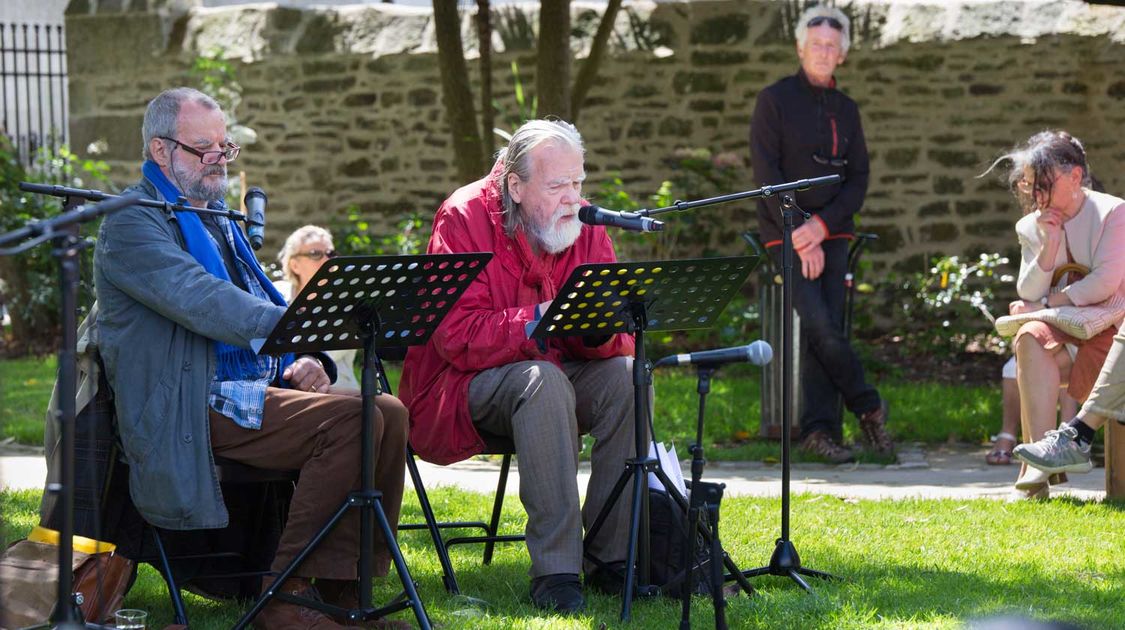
x,y
801,131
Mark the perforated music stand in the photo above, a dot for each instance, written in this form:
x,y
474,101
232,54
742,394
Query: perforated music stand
x,y
368,302
605,298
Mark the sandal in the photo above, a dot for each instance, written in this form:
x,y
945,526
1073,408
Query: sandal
x,y
1001,456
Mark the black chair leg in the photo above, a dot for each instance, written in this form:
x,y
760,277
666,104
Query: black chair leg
x,y
434,528
169,579
497,505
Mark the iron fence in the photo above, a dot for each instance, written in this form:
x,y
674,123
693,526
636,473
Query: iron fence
x,y
33,90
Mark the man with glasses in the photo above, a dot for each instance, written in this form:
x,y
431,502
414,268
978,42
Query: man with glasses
x,y
181,296
803,127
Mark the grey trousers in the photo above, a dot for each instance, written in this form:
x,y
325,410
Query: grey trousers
x,y
544,409
1108,397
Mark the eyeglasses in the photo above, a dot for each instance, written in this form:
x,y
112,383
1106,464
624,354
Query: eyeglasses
x,y
1043,186
208,157
317,254
823,161
824,19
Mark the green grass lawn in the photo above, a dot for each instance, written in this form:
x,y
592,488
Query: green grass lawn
x,y
905,564
923,412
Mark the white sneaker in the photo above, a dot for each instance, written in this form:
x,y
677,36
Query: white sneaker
x,y
1031,478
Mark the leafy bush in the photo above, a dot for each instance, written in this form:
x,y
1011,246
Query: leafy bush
x,y
355,236
30,288
948,309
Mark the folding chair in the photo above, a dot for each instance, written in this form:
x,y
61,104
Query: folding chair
x,y
104,510
493,445
229,472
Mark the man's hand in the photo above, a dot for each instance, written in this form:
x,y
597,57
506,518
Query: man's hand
x,y
812,262
811,234
307,374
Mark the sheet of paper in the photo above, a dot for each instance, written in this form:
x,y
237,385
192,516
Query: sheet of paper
x,y
670,464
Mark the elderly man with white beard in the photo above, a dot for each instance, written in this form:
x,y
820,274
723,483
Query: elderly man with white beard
x,y
481,372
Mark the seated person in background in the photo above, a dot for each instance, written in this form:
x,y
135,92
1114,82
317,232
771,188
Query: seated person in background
x,y
1006,440
481,372
306,249
1065,222
180,298
1067,449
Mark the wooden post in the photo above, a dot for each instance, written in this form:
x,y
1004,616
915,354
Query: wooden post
x,y
1114,459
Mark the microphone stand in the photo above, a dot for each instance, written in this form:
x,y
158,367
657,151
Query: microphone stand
x,y
62,231
168,207
785,561
764,191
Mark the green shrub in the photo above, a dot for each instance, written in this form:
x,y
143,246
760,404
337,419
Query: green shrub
x,y
30,285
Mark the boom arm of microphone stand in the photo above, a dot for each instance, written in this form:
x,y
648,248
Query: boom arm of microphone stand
x,y
97,195
764,191
46,229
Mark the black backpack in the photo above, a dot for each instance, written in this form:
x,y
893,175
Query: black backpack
x,y
667,524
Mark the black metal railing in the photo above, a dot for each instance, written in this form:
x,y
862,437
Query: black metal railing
x,y
33,91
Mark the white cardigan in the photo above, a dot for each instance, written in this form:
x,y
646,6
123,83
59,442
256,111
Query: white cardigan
x,y
1096,236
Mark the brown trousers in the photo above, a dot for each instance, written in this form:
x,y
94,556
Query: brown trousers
x,y
319,434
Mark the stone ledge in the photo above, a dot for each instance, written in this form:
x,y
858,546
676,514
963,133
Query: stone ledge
x,y
253,31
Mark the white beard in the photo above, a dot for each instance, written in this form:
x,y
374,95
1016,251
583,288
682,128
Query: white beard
x,y
554,240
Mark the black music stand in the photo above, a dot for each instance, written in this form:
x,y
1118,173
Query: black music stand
x,y
368,302
604,298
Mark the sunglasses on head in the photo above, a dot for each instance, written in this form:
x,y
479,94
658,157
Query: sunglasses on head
x,y
824,19
317,254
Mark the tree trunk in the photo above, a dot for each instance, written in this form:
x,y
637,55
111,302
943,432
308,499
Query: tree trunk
x,y
589,70
457,93
487,114
552,72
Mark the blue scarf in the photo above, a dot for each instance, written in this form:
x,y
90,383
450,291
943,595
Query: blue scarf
x,y
234,363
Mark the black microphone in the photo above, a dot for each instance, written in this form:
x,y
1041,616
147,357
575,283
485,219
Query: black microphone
x,y
593,215
758,353
255,201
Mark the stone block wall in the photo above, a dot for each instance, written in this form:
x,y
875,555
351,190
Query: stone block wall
x,y
347,102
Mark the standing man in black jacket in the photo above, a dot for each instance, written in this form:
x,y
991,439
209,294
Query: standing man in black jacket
x,y
804,127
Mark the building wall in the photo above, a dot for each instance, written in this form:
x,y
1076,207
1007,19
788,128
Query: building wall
x,y
347,102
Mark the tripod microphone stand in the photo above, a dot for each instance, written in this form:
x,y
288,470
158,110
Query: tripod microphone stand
x,y
630,298
785,561
704,499
66,243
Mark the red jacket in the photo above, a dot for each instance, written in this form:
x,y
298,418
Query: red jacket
x,y
485,329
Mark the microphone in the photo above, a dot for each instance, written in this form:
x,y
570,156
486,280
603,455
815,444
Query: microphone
x,y
758,353
255,201
593,215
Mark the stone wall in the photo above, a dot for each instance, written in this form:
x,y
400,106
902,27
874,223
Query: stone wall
x,y
347,102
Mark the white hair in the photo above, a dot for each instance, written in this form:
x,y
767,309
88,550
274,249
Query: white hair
x,y
821,10
516,157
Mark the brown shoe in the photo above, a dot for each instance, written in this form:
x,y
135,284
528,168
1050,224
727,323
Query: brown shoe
x,y
279,615
345,594
819,443
873,428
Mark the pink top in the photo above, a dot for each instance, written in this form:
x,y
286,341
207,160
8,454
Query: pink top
x,y
1095,237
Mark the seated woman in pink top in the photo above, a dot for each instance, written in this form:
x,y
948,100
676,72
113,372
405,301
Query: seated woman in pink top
x,y
1065,221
